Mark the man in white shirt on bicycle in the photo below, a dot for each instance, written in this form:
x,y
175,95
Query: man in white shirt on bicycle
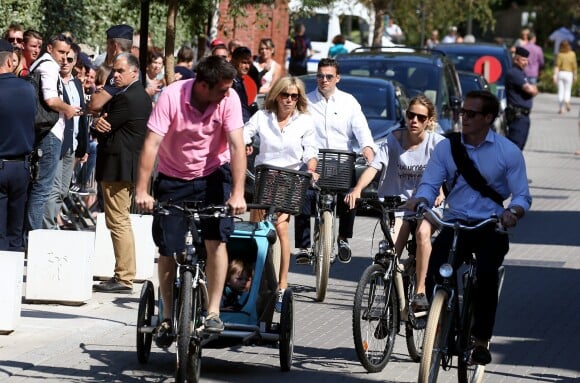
x,y
339,121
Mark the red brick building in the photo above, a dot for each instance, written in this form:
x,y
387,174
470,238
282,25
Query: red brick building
x,y
264,22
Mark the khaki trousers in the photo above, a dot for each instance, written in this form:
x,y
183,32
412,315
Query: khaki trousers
x,y
117,201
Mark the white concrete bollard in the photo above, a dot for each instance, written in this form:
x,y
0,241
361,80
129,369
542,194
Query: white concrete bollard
x,y
11,271
60,265
145,248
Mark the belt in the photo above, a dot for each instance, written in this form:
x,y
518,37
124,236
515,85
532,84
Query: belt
x,y
14,158
519,109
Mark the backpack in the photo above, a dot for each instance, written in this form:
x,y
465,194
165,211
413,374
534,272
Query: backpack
x,y
299,49
45,117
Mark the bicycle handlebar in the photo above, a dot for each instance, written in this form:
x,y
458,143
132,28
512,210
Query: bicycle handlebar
x,y
390,203
423,209
192,207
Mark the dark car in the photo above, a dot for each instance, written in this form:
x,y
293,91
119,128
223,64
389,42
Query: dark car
x,y
491,60
472,81
419,72
383,102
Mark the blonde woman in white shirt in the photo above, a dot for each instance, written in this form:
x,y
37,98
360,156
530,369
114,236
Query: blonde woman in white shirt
x,y
287,139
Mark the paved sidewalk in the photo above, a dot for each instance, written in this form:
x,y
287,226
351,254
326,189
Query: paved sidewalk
x,y
536,334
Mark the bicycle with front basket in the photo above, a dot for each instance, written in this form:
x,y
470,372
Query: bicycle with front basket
x,y
336,170
448,329
383,295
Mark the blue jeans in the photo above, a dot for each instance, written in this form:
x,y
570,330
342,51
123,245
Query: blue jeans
x,y
59,192
86,170
41,188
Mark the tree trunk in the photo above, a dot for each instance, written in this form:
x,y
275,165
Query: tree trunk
x,y
379,27
170,41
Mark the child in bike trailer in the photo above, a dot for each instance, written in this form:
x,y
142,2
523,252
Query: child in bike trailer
x,y
238,282
403,158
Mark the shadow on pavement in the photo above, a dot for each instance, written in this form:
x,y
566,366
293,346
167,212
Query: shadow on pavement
x,y
539,297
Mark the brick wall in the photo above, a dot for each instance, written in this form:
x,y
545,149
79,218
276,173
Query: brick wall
x,y
264,22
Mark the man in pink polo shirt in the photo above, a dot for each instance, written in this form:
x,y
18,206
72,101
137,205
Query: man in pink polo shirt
x,y
195,130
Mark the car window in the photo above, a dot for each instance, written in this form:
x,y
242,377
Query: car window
x,y
373,100
417,78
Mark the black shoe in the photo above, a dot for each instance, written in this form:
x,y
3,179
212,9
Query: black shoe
x,y
344,252
303,257
420,305
164,334
213,323
480,355
113,286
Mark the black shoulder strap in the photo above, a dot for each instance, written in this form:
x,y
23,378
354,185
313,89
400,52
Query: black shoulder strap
x,y
38,64
467,169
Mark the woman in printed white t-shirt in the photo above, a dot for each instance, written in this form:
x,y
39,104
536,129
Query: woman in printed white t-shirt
x,y
405,154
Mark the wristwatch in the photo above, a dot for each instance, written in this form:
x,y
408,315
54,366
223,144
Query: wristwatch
x,y
513,211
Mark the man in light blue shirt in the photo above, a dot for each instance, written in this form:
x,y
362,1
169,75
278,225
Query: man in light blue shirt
x,y
502,165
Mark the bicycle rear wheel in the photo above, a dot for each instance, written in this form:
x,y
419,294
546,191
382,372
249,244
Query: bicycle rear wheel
x,y
144,319
435,338
414,328
375,318
467,372
323,250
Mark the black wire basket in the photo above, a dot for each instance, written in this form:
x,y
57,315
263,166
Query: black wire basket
x,y
336,169
282,188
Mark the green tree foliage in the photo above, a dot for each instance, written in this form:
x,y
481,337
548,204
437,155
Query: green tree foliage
x,y
416,16
88,20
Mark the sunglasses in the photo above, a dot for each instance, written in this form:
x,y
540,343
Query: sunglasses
x,y
322,76
15,40
420,117
70,60
470,113
293,96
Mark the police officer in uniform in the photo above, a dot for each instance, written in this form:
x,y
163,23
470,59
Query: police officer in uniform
x,y
17,110
519,94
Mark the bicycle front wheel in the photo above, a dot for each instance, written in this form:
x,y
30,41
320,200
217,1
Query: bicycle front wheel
x,y
184,327
375,318
323,252
435,339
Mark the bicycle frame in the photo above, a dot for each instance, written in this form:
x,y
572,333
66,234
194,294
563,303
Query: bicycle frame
x,y
395,269
457,320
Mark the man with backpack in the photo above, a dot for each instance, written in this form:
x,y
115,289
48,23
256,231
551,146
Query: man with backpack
x,y
50,142
299,50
